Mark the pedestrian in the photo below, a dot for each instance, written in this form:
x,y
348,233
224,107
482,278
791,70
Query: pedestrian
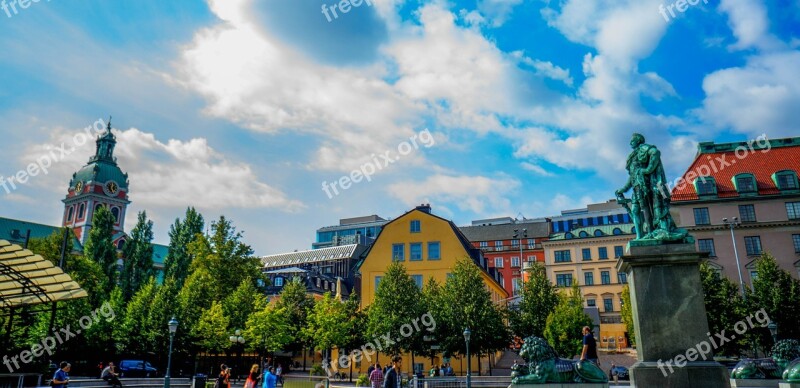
x,y
252,378
450,370
433,371
392,377
370,369
224,378
111,376
443,370
61,377
589,347
376,376
270,379
279,374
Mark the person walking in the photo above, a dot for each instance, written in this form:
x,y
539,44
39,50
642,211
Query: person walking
x,y
279,374
392,378
376,376
252,378
224,378
111,376
270,380
589,346
61,377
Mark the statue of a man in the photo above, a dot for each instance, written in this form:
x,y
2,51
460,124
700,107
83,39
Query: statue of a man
x,y
649,205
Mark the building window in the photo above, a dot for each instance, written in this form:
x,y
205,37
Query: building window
x,y
498,262
745,183
618,251
786,180
605,277
747,213
563,257
793,210
115,213
753,276
602,253
707,245
705,186
564,280
82,210
415,251
588,278
278,282
591,303
531,243
753,245
515,262
121,244
587,254
608,305
377,282
622,277
701,216
398,252
69,213
796,240
484,244
415,226
516,285
515,243
417,280
434,251
498,245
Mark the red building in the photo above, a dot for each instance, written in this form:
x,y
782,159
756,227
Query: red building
x,y
507,244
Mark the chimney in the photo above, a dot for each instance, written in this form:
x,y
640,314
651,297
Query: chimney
x,y
425,208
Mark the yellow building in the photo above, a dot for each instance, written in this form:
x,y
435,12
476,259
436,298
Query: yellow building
x,y
588,256
429,247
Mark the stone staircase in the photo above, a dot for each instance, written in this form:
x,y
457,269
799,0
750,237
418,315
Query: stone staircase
x,y
504,363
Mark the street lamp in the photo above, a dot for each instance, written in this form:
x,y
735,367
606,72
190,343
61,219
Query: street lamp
x,y
467,333
773,329
517,236
237,338
173,327
732,224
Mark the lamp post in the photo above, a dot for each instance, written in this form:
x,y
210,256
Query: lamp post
x,y
467,333
235,339
773,329
732,224
517,236
173,327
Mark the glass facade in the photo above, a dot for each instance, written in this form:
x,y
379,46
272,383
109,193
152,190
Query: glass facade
x,y
562,226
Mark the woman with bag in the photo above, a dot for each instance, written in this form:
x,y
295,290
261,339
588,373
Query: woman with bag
x,y
252,378
224,378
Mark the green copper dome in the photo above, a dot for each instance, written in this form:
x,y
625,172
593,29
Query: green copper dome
x,y
102,167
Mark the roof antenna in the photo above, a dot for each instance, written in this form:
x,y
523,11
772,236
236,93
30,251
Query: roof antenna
x,y
109,124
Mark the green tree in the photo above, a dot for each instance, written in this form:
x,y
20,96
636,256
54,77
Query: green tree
x,y
239,305
138,253
136,336
297,303
328,324
211,331
100,247
724,307
565,324
433,300
778,294
181,233
196,296
268,329
397,303
538,298
162,309
470,305
627,314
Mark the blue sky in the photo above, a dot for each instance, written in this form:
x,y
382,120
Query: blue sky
x,y
245,107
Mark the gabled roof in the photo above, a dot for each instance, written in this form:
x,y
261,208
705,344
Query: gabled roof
x,y
313,256
505,231
290,270
782,154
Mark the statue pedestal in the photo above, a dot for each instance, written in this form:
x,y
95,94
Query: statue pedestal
x,y
561,385
789,385
669,317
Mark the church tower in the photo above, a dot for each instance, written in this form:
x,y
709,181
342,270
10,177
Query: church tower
x,y
99,183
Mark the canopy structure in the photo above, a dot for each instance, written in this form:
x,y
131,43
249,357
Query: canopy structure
x,y
29,279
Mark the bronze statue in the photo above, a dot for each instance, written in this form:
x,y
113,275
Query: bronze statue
x,y
650,202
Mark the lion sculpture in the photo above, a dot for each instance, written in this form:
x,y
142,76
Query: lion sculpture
x,y
544,366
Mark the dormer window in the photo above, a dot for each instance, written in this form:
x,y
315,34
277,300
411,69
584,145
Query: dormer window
x,y
705,186
786,180
745,183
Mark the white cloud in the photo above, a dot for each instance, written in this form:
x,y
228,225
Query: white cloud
x,y
478,194
750,24
498,11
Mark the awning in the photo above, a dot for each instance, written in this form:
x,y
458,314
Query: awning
x,y
29,279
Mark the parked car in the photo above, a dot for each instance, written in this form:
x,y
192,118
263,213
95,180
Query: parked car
x,y
136,368
620,371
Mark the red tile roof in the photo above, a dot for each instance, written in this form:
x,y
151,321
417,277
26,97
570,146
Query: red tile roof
x,y
758,162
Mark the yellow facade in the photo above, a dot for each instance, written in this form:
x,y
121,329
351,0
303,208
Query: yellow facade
x,y
592,263
453,246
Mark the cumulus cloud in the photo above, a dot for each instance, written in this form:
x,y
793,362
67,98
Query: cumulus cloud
x,y
478,194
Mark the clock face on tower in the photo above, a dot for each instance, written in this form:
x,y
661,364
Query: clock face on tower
x,y
110,188
79,187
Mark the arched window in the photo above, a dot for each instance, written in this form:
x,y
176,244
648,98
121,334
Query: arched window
x,y
121,244
745,183
568,235
785,180
705,185
97,207
617,231
583,234
115,213
70,213
598,233
81,211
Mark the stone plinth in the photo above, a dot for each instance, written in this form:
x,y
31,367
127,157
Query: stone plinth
x,y
789,385
562,385
669,317
754,383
